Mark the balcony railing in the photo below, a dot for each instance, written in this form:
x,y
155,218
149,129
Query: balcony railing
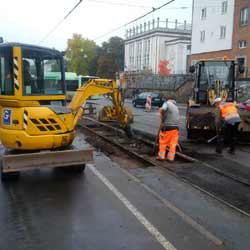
x,y
158,25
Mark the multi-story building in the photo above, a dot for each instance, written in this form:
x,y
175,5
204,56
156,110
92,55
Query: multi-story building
x,y
221,28
149,43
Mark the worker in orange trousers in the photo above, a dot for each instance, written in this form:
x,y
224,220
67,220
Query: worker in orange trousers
x,y
169,130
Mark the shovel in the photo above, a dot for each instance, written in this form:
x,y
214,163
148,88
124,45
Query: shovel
x,y
212,139
156,141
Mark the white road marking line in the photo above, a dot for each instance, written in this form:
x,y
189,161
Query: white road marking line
x,y
176,210
151,228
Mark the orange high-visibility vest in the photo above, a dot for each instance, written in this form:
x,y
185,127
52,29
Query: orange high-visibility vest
x,y
228,111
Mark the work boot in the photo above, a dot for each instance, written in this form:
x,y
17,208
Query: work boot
x,y
158,158
170,161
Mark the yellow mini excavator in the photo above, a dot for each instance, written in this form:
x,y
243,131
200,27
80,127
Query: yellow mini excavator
x,y
37,126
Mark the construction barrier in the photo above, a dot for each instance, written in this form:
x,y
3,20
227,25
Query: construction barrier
x,y
148,103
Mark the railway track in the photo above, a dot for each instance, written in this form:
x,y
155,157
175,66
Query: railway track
x,y
206,174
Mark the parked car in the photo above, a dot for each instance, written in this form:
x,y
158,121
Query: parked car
x,y
140,100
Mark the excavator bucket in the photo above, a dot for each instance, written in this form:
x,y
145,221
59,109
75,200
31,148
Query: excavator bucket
x,y
200,122
129,112
244,127
108,113
126,117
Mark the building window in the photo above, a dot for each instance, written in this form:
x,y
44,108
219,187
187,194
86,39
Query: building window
x,y
241,62
193,62
202,39
137,55
222,32
140,54
203,13
131,56
243,44
244,16
145,53
224,7
6,72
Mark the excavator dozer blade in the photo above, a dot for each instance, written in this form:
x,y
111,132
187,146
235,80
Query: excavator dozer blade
x,y
12,162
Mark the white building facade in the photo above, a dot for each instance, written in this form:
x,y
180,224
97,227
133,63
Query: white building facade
x,y
148,44
212,27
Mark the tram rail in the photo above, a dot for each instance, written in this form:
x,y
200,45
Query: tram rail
x,y
197,173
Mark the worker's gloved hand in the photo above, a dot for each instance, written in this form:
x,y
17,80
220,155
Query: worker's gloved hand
x,y
160,113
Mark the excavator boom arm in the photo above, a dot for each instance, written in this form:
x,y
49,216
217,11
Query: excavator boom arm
x,y
99,87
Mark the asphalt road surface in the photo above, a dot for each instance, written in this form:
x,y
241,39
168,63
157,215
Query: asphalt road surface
x,y
112,207
102,209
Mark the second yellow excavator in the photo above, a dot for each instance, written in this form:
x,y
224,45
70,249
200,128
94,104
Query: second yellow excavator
x,y
34,115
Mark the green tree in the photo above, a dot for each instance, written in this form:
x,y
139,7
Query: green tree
x,y
111,59
80,55
93,64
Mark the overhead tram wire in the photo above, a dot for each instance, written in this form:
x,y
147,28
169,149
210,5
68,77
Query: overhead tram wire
x,y
120,4
132,5
60,22
153,10
134,20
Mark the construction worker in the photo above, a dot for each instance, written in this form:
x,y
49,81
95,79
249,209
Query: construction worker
x,y
169,130
227,120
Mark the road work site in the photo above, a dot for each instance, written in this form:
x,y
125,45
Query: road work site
x,y
89,173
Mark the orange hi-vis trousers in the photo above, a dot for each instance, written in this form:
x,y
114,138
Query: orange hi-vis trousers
x,y
168,139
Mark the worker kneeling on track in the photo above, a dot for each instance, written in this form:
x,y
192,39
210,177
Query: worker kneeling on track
x,y
169,130
227,121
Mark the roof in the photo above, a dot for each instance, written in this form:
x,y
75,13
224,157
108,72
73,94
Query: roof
x,y
215,60
160,31
179,39
30,46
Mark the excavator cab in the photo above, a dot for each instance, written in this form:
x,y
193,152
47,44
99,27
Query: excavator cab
x,y
31,105
214,79
23,73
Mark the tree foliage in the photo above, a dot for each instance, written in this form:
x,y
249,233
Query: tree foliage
x,y
111,59
80,54
84,57
163,68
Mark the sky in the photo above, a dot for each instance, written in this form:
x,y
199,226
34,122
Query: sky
x,y
30,21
